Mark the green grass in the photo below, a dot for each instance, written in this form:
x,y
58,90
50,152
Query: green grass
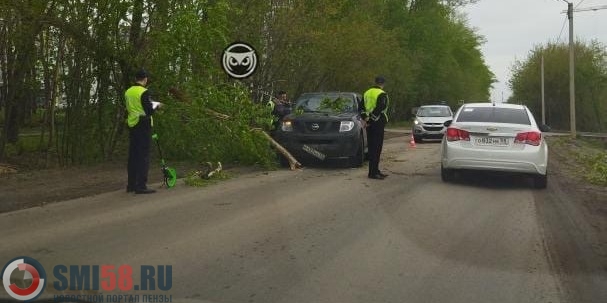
x,y
590,153
26,144
594,157
193,179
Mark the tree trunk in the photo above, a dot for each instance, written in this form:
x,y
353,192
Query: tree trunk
x,y
293,163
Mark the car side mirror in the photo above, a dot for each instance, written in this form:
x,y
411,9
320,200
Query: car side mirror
x,y
447,123
545,128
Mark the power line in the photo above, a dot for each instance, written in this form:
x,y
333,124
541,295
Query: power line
x,y
578,5
562,28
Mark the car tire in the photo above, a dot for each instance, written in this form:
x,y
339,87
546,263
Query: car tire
x,y
447,175
359,158
418,139
540,181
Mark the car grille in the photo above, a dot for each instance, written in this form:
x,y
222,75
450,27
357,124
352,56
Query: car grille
x,y
433,127
316,141
317,127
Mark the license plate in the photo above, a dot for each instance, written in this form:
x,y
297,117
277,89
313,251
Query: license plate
x,y
314,152
492,141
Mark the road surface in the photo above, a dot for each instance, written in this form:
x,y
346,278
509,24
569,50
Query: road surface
x,y
322,235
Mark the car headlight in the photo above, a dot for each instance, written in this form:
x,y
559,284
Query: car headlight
x,y
346,126
415,122
286,126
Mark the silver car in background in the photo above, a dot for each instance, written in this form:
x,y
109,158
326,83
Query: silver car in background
x,y
495,137
429,122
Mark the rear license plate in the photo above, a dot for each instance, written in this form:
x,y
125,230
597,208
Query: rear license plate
x,y
314,152
492,141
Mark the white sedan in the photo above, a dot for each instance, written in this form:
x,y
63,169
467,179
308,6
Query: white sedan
x,y
495,137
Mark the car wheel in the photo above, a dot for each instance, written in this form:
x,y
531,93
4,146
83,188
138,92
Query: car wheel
x,y
540,181
359,158
417,139
447,175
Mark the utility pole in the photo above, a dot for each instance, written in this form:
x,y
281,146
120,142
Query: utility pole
x,y
571,71
570,11
543,101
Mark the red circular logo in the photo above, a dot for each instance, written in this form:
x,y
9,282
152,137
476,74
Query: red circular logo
x,y
31,270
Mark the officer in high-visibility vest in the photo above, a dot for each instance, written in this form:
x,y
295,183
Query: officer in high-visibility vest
x,y
140,109
376,108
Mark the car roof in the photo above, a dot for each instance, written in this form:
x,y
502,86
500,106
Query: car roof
x,y
488,104
434,105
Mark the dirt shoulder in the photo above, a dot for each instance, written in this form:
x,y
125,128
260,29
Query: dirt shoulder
x,y
32,188
572,214
568,168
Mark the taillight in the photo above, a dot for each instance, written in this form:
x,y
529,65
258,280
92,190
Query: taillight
x,y
531,138
454,134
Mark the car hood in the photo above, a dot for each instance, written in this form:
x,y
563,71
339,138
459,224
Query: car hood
x,y
433,119
320,117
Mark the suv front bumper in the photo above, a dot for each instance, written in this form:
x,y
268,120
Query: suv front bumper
x,y
429,131
320,146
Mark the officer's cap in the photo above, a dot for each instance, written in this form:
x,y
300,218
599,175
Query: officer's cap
x,y
141,74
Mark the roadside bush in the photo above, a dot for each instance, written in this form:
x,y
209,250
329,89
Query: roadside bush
x,y
588,156
591,154
598,169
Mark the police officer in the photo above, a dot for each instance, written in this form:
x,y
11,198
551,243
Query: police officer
x,y
376,107
140,109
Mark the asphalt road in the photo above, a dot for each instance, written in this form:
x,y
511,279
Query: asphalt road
x,y
315,235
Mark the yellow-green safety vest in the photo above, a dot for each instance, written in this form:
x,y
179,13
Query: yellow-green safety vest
x,y
133,104
370,98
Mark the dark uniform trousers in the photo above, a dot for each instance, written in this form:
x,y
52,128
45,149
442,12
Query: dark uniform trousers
x,y
375,140
140,141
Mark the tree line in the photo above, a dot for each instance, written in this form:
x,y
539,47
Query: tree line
x,y
590,76
64,65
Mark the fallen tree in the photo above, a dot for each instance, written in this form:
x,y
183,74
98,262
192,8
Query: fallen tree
x,y
293,163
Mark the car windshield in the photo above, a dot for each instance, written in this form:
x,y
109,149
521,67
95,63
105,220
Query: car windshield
x,y
494,114
330,103
434,112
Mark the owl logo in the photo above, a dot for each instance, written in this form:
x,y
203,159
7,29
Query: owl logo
x,y
239,60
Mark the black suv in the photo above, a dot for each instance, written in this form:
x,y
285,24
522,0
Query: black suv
x,y
323,126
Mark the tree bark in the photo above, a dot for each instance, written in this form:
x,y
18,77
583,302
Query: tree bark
x,y
293,163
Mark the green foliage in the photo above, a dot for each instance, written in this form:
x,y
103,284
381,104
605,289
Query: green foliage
x,y
83,54
590,88
591,153
27,144
426,52
193,179
191,132
337,105
590,157
598,169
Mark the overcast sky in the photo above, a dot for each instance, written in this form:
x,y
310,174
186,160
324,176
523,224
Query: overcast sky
x,y
513,27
